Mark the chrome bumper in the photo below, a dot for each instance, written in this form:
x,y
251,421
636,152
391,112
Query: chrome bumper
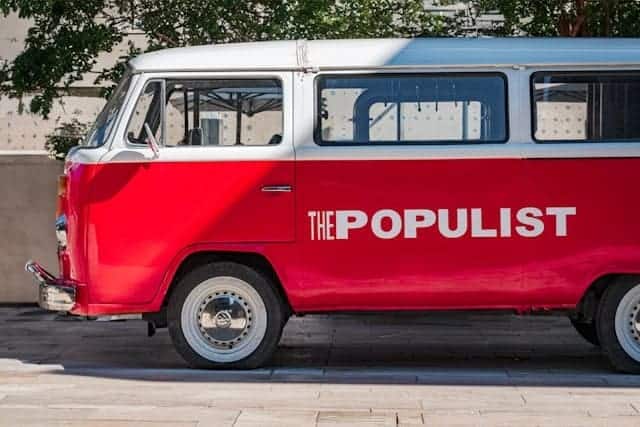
x,y
53,293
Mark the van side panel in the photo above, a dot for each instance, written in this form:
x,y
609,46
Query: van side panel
x,y
142,215
366,272
604,237
141,220
431,271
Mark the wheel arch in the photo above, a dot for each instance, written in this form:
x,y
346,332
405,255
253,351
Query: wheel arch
x,y
254,260
587,307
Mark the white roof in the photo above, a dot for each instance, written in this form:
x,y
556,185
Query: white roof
x,y
393,53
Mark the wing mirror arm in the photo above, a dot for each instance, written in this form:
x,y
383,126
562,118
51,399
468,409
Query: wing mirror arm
x,y
151,141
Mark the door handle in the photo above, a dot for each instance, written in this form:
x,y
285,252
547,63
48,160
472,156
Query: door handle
x,y
276,189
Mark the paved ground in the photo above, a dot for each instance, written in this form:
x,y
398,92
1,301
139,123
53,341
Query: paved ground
x,y
436,369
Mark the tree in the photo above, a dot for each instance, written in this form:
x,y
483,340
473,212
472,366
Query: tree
x,y
67,35
65,136
573,18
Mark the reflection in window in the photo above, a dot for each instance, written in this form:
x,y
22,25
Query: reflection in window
x,y
102,127
224,112
412,109
148,110
586,106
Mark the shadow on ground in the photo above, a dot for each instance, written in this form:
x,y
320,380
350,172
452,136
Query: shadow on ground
x,y
433,348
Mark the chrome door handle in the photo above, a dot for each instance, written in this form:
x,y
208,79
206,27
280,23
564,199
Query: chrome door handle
x,y
276,189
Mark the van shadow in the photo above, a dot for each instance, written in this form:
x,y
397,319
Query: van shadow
x,y
435,348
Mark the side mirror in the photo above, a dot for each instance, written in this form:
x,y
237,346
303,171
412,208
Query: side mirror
x,y
151,141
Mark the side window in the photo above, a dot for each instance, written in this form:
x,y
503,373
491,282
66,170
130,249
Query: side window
x,y
586,106
224,112
418,109
148,110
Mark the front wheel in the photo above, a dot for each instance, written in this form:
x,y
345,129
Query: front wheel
x,y
619,324
225,315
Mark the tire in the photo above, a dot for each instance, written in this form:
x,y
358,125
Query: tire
x,y
587,330
618,323
225,315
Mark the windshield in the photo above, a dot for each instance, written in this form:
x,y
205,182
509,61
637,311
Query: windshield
x,y
105,121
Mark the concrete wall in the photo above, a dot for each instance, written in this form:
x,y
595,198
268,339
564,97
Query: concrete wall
x,y
20,130
27,211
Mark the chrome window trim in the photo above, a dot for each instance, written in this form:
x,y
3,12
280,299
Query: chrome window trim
x,y
479,151
317,123
532,105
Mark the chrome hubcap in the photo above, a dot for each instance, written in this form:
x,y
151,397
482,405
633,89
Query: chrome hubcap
x,y
224,319
634,322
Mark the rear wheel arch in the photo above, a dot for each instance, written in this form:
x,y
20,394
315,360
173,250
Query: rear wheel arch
x,y
587,308
584,317
618,323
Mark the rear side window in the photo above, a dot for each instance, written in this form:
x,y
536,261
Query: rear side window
x,y
397,109
586,106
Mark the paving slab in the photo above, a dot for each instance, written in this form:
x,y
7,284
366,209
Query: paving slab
x,y
269,417
371,370
346,418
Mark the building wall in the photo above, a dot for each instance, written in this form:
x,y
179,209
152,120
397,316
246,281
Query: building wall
x,y
20,130
27,211
28,132
27,175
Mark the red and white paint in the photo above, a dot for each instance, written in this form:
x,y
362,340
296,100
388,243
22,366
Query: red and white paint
x,y
532,234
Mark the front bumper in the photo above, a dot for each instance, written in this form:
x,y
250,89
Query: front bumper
x,y
53,293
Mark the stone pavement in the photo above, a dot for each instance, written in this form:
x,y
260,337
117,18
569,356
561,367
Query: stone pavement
x,y
403,369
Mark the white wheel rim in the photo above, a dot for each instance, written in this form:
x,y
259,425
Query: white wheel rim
x,y
628,323
224,319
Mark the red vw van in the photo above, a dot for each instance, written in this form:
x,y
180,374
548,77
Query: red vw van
x,y
225,188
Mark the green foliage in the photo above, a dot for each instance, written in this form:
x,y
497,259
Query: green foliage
x,y
177,23
65,136
61,46
572,18
67,35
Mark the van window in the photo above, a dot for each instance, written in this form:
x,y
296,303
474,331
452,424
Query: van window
x,y
102,127
148,110
586,106
411,109
224,112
